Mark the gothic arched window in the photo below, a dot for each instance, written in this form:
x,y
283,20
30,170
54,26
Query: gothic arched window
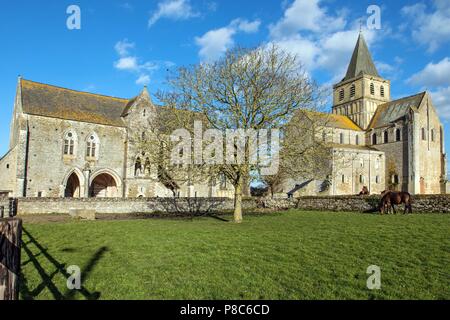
x,y
374,139
382,91
372,89
357,140
341,95
137,167
432,135
424,134
352,90
92,146
147,166
341,138
386,137
69,143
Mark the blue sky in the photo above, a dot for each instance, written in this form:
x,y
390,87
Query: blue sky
x,y
123,45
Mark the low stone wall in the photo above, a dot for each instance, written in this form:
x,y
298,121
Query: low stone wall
x,y
194,206
420,204
198,206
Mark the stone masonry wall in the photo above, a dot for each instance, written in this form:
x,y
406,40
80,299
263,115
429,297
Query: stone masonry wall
x,y
27,206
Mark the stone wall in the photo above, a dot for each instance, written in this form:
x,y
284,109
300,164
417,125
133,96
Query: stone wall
x,y
195,206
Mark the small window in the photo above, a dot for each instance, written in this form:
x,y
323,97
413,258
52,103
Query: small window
x,y
377,179
223,181
382,91
137,167
39,194
69,144
357,140
424,134
372,89
352,90
324,136
92,146
374,139
341,138
398,135
7,166
432,135
343,178
395,179
341,95
386,137
361,163
361,179
144,113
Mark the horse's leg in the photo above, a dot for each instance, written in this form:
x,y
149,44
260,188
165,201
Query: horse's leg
x,y
393,209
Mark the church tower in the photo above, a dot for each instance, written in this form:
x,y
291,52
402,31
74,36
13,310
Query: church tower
x,y
362,90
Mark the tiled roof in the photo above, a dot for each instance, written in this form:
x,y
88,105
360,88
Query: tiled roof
x,y
50,101
343,122
389,112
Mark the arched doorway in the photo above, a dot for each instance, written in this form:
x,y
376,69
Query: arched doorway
x,y
103,186
72,189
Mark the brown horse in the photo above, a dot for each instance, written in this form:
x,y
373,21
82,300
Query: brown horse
x,y
390,199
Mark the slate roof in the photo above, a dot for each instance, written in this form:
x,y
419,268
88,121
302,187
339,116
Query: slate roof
x,y
361,62
50,101
392,111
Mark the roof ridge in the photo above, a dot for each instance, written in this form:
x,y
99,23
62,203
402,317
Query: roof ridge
x,y
404,98
73,90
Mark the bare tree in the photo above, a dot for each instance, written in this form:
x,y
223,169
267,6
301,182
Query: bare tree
x,y
255,90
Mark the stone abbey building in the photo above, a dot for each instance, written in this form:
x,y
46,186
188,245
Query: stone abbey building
x,y
66,143
377,142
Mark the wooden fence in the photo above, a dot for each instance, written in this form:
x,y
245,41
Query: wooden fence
x,y
10,244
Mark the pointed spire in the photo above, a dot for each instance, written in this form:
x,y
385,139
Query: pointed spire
x,y
144,93
361,62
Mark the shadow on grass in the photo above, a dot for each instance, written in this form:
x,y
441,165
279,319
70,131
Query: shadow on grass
x,y
48,275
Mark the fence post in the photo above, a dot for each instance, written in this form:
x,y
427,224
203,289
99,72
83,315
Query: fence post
x,y
10,242
13,207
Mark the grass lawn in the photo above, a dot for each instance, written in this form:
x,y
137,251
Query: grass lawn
x,y
290,255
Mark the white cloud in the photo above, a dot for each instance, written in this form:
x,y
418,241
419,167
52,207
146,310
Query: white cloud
x,y
247,26
433,75
143,80
430,28
127,63
306,50
174,10
131,63
305,15
215,42
122,47
441,100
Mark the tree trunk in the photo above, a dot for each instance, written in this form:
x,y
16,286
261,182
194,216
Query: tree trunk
x,y
10,240
238,200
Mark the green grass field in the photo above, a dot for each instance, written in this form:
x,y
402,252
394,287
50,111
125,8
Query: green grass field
x,y
290,255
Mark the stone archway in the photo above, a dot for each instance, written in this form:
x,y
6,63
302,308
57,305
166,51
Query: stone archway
x,y
73,184
73,187
104,185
